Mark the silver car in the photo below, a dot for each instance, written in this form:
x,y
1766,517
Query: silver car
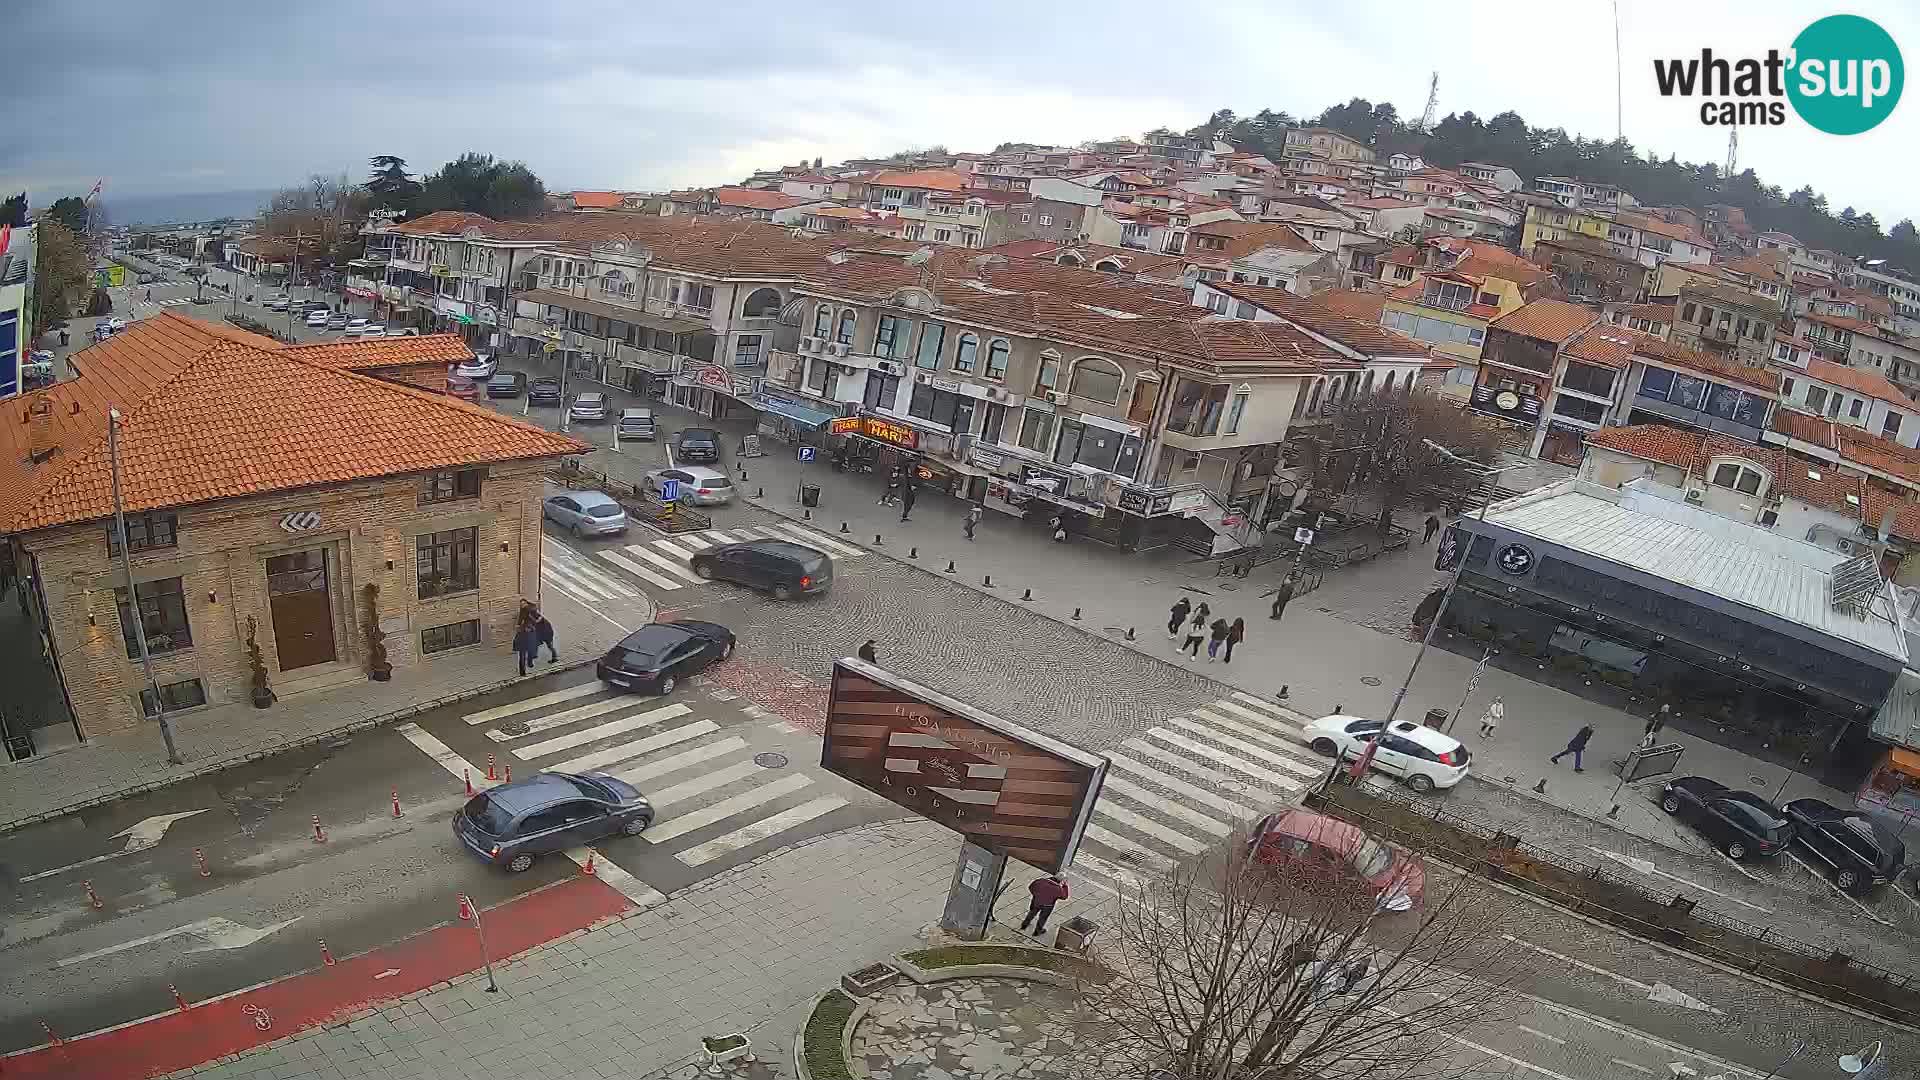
x,y
588,406
586,513
693,485
636,424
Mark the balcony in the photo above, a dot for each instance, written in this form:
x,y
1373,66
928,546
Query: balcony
x,y
644,359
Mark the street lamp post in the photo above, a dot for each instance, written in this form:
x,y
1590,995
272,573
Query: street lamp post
x,y
1870,1062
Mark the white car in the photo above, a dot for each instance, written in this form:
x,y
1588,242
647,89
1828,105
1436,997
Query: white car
x,y
402,331
356,326
317,318
1422,757
374,329
480,367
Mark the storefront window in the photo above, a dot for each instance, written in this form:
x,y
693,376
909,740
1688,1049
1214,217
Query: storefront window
x,y
996,418
1036,431
963,410
817,377
1096,448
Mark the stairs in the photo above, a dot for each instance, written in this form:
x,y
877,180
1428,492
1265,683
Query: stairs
x,y
319,677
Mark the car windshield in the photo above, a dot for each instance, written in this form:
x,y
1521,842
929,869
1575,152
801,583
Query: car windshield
x,y
1760,821
503,379
603,510
1370,858
593,789
714,481
695,435
488,815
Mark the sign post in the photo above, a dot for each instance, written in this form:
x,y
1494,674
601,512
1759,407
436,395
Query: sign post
x,y
806,459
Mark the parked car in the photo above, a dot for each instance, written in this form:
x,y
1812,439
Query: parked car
x,y
480,367
1862,853
779,567
357,326
514,824
374,329
506,384
317,318
591,405
1739,823
338,320
637,424
1302,840
586,513
544,390
1421,756
657,656
696,485
698,444
463,388
402,331
277,302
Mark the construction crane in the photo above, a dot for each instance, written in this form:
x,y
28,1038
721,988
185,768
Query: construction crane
x,y
1433,104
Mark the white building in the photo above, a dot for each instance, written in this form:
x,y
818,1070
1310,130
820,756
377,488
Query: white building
x,y
16,308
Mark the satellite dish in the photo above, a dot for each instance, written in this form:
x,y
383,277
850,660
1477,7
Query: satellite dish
x,y
920,257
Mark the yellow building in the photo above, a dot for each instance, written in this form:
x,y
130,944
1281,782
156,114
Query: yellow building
x,y
1445,294
1557,222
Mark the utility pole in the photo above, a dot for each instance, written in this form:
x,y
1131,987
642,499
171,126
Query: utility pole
x,y
133,600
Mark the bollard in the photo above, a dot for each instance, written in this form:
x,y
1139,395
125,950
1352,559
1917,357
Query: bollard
x,y
913,553
760,493
1283,694
1614,814
987,580
396,802
587,867
491,774
509,774
949,566
1129,633
326,955
93,898
806,515
1076,614
319,835
1026,594
877,542
743,474
179,1002
467,775
201,858
52,1035
1541,787
1338,709
843,526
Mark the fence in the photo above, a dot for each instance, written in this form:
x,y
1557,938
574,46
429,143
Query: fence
x,y
1669,918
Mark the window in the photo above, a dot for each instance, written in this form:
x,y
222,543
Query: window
x,y
746,351
1816,398
886,336
997,352
173,697
1786,387
1588,379
1729,474
1656,383
698,297
1046,219
446,562
1591,412
817,377
1025,218
1196,407
763,304
438,639
1853,410
1446,294
845,336
1234,412
964,352
450,486
145,532
933,406
882,390
1036,431
942,236
933,338
1244,310
1096,379
822,321
1096,447
163,617
1891,426
996,418
1490,299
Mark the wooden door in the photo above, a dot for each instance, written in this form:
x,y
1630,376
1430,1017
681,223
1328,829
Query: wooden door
x,y
302,608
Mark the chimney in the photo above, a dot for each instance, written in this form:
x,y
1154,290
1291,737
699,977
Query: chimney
x,y
40,442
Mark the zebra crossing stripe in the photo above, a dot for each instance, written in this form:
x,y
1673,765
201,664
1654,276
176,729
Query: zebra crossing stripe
x,y
1286,728
1226,781
616,877
703,783
541,701
1298,768
1084,862
1141,823
1122,786
578,581
676,569
694,541
603,731
816,540
1122,844
757,831
598,708
1181,787
686,758
721,536
560,584
593,575
1219,720
628,751
639,571
726,808
443,755
675,549
1193,746
1281,711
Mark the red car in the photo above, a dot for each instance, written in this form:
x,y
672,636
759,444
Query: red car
x,y
463,388
1392,879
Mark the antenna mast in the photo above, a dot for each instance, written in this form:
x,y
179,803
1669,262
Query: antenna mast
x,y
1619,99
1733,153
1433,104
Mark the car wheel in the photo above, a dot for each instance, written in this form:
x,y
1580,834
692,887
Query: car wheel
x,y
520,863
1420,782
1324,747
1671,804
1848,880
782,592
1736,850
636,825
705,569
727,649
666,685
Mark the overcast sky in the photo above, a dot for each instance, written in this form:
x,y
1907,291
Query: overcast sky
x,y
616,95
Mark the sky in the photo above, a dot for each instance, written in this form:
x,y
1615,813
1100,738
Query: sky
x,y
161,98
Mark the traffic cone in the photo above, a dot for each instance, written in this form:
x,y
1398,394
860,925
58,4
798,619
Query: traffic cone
x,y
491,775
396,802
466,908
319,835
587,867
326,955
179,1001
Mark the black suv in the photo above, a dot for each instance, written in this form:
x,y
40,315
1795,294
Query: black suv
x,y
1740,823
775,566
544,390
1862,853
699,444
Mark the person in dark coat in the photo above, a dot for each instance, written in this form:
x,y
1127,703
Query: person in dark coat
x,y
1657,722
543,635
1196,632
908,494
1235,635
1281,597
1433,526
1216,637
1046,891
869,653
974,513
1177,615
525,646
1057,528
1574,746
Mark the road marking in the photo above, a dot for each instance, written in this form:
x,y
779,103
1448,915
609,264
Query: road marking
x,y
523,705
1490,1051
634,748
686,758
1630,1065
704,782
1221,720
1554,1039
1285,728
1291,764
1285,783
1894,888
1140,823
815,540
598,708
591,579
726,808
639,571
1197,794
1147,748
1121,843
673,548
694,541
1276,709
559,573
1656,991
387,974
140,836
724,538
217,932
599,731
1645,866
1864,910
1152,801
1110,871
1735,863
760,830
445,756
560,585
664,563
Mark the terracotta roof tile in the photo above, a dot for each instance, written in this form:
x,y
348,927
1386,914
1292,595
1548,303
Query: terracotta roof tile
x,y
1605,344
1859,380
1547,320
937,179
1760,378
597,200
1356,334
756,198
1353,303
1875,452
1805,427
1652,442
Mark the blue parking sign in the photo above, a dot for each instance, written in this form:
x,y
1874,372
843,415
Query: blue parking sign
x,y
669,490
806,454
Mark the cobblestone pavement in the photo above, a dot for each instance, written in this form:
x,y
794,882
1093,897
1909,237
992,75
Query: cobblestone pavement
x,y
969,1028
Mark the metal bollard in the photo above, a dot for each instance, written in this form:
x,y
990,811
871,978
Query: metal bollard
x,y
913,553
987,580
1026,594
93,898
200,857
319,834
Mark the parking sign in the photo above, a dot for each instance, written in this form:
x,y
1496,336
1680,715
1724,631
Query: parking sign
x,y
669,490
806,454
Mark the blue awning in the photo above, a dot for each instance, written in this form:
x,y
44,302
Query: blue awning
x,y
813,418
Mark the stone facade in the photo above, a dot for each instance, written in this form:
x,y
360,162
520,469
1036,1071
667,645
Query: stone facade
x,y
368,532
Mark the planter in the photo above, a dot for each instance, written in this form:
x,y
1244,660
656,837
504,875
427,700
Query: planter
x,y
263,699
380,674
869,980
721,1048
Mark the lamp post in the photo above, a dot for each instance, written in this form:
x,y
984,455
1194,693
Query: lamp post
x,y
134,615
1870,1062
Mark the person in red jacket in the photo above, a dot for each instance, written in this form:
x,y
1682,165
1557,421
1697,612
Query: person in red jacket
x,y
1047,891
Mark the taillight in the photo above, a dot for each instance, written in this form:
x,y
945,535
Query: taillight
x,y
805,581
1448,759
495,853
702,491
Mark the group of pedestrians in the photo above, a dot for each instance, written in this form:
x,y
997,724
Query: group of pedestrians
x,y
1190,626
532,630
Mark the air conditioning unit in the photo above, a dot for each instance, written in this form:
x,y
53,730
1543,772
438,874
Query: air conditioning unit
x,y
840,348
995,393
891,367
1695,496
923,376
1057,397
809,344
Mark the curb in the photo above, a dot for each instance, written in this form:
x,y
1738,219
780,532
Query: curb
x,y
215,765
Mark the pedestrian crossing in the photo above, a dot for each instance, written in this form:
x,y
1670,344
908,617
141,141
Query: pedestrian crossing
x,y
714,798
1181,787
668,563
573,574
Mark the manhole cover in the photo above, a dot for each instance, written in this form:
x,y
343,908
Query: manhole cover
x,y
1757,781
514,727
1370,680
770,761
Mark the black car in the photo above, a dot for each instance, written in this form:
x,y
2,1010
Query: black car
x,y
1862,853
513,824
780,567
699,444
1740,823
506,384
544,390
657,656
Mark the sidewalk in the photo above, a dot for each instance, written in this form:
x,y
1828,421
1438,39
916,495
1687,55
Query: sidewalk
x,y
122,764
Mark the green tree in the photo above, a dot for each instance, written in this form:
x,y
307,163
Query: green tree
x,y
14,211
61,271
477,184
390,184
71,211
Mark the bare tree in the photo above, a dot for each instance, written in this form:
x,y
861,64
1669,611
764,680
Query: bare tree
x,y
1377,446
1238,968
324,210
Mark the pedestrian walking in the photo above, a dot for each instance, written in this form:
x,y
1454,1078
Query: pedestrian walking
x,y
869,653
893,488
1574,746
1235,634
1196,632
1046,891
1216,637
543,635
1433,526
1177,615
907,495
63,337
1058,527
1657,722
974,513
1281,597
525,646
1490,720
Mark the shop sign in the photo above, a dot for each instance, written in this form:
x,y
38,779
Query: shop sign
x,y
743,386
1052,483
1145,503
440,270
887,431
845,425
714,378
923,472
486,314
1184,502
952,386
449,306
985,458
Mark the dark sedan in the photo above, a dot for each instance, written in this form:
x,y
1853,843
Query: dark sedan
x,y
1739,823
506,384
1861,853
698,444
513,824
657,656
544,390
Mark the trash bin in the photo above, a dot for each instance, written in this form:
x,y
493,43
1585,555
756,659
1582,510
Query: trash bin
x,y
1075,935
1436,718
809,494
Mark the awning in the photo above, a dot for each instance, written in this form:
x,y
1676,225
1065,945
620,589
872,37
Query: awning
x,y
813,418
619,312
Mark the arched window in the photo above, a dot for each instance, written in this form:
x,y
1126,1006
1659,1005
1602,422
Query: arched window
x,y
615,283
997,352
965,352
1367,386
845,336
762,304
1387,387
1299,403
1096,379
822,321
1313,402
1067,259
1111,266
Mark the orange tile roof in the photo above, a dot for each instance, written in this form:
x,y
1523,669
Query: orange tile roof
x,y
1246,237
756,198
1353,303
1548,320
1605,344
596,200
1651,442
1859,380
1805,427
358,355
1814,483
210,413
936,179
1878,453
1843,322
1356,334
1759,378
1770,265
